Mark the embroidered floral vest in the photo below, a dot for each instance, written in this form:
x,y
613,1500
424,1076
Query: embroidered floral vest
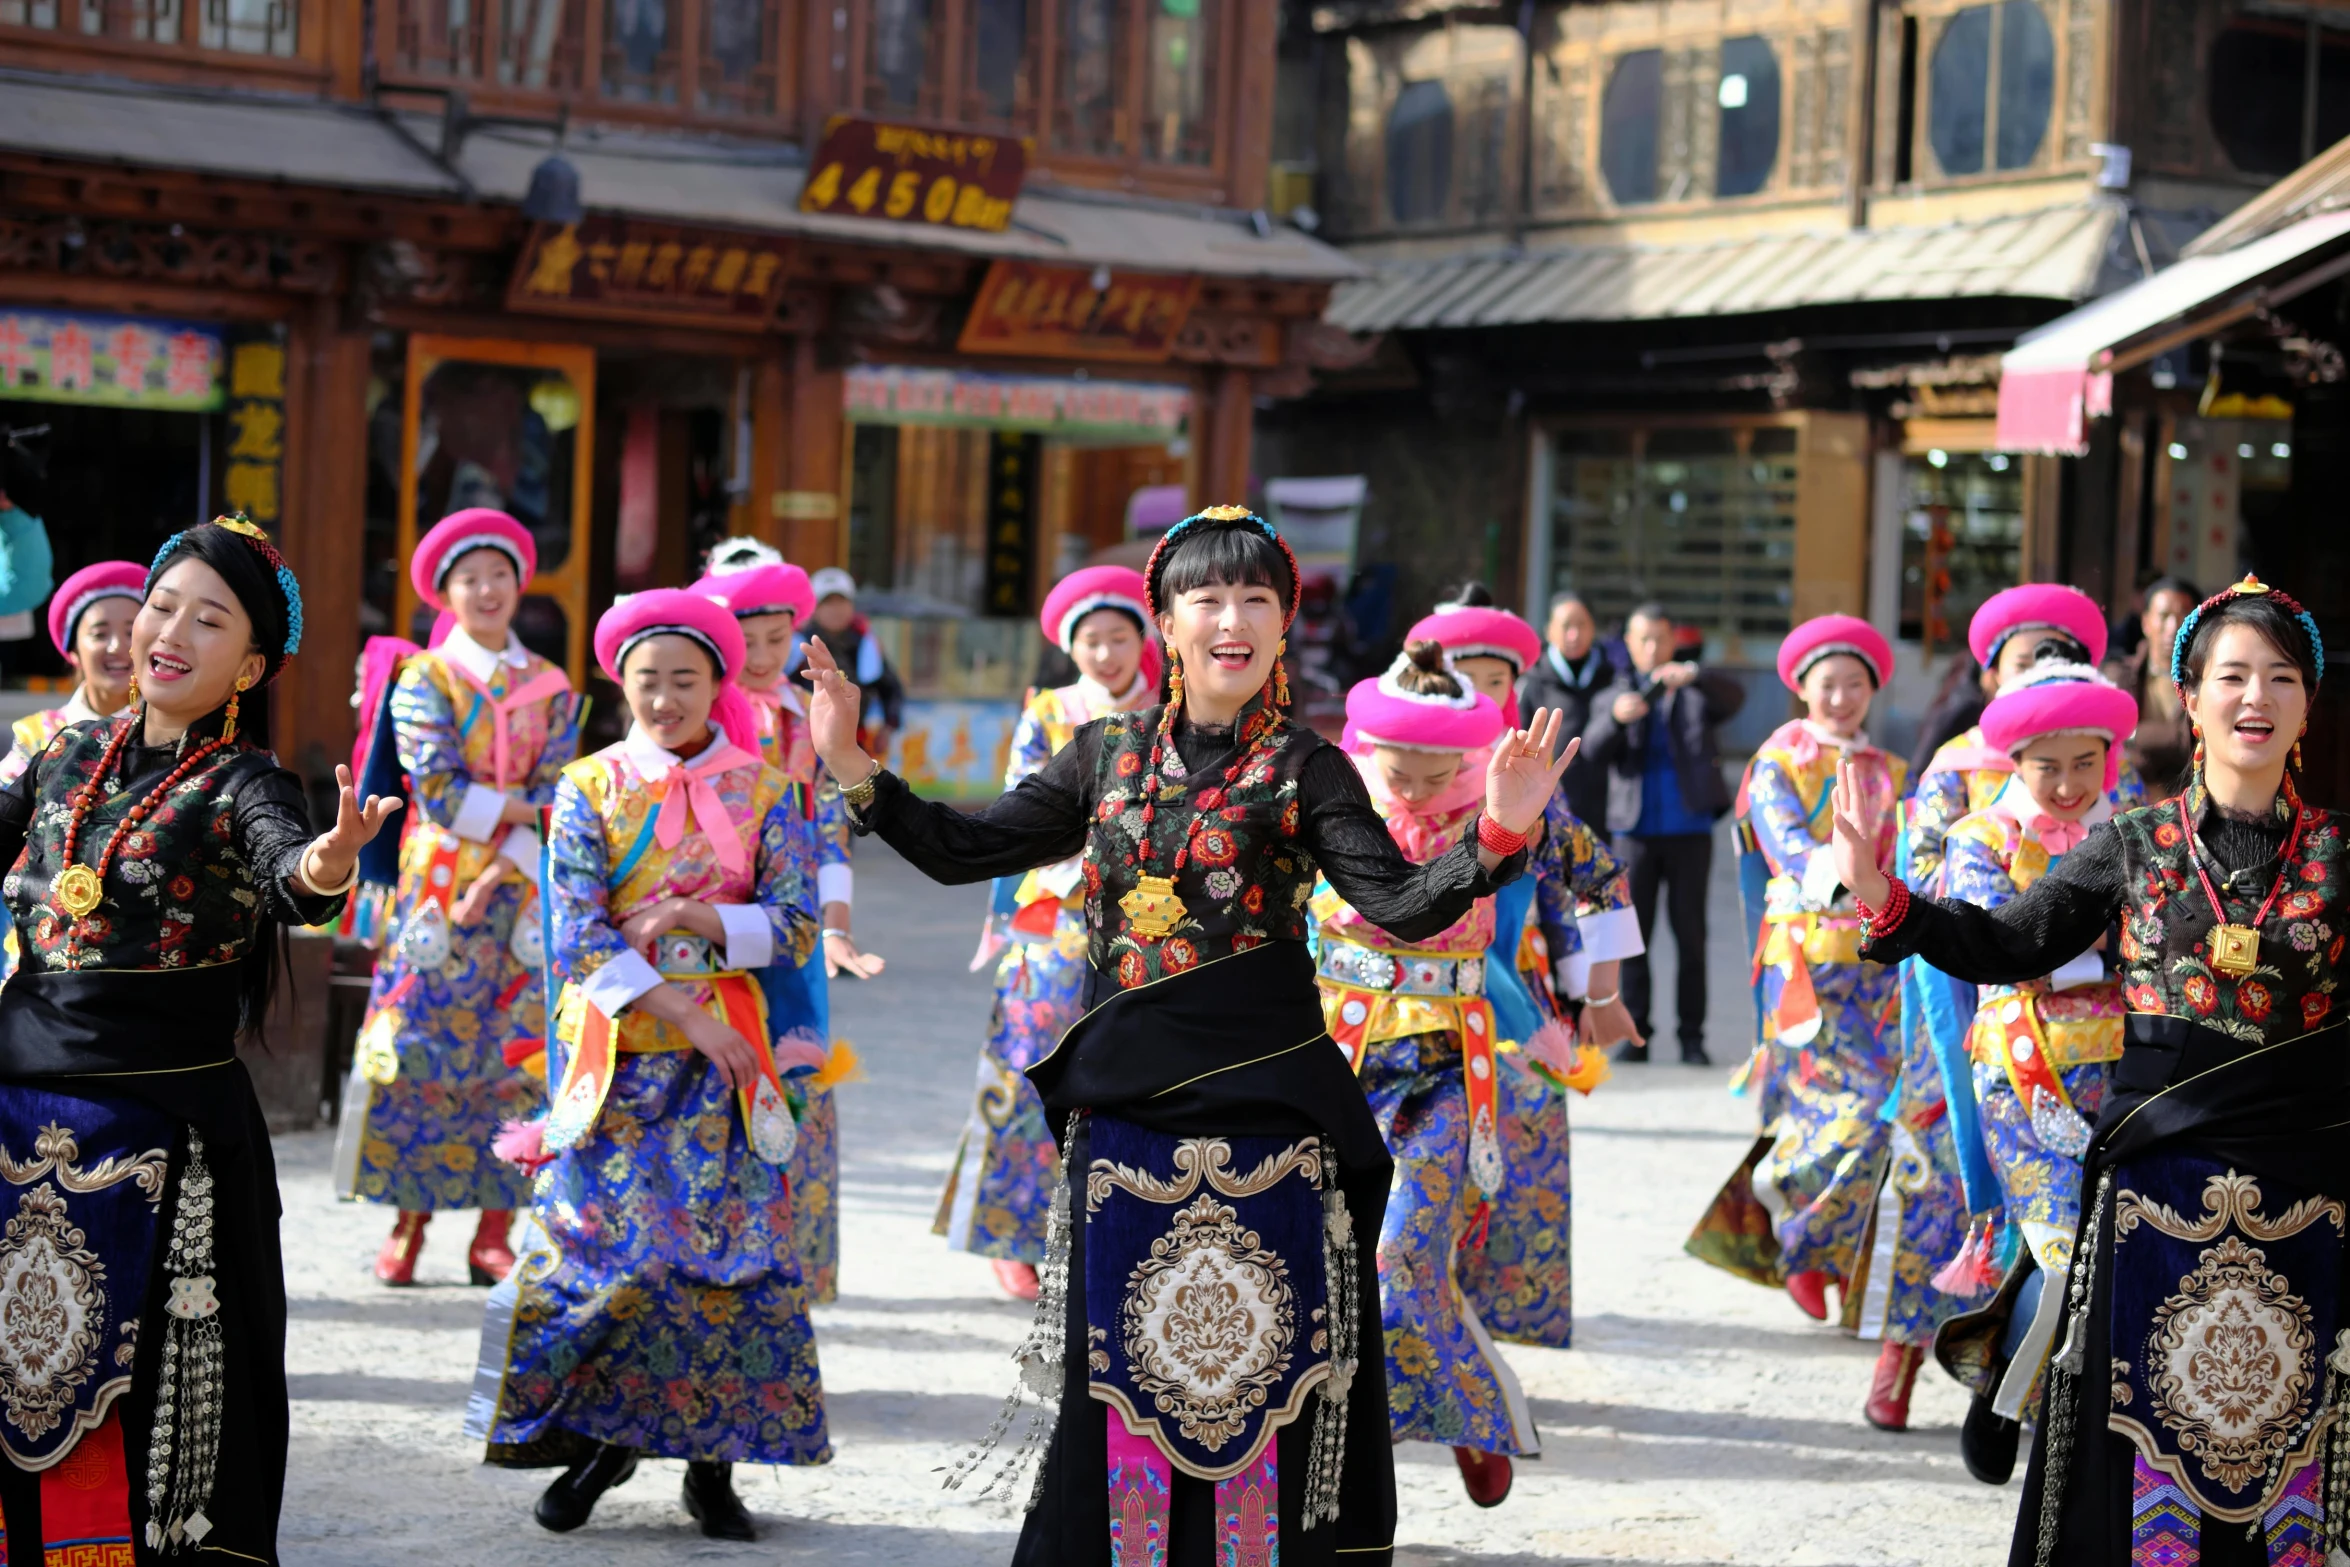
x,y
1246,877
2167,920
178,894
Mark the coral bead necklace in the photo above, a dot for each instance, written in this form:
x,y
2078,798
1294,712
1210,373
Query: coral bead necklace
x,y
79,889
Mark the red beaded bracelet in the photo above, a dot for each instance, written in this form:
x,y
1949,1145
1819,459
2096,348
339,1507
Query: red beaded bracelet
x,y
1877,924
1493,835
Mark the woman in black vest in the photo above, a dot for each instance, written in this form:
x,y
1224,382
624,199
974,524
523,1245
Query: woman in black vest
x,y
1210,1131
2190,1408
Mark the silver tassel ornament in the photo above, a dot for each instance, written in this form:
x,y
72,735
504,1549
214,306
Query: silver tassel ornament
x,y
1326,1454
2061,1394
1042,1367
190,1392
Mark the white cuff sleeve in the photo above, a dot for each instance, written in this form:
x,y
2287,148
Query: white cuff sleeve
x,y
750,940
1610,935
1819,879
1572,975
835,884
477,814
620,981
2087,969
522,848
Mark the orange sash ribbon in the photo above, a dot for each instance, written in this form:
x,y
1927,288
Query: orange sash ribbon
x,y
587,1076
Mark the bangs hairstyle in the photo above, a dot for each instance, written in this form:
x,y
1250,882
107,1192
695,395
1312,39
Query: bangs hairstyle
x,y
2055,647
1229,556
2263,614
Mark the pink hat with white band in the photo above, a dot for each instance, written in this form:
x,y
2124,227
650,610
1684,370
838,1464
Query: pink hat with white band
x,y
107,579
1480,631
1824,636
1382,712
2049,606
2057,699
458,535
1087,589
761,590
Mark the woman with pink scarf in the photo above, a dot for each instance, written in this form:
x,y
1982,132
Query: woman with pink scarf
x,y
1415,1021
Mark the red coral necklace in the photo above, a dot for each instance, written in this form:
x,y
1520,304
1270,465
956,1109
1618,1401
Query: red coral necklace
x,y
79,889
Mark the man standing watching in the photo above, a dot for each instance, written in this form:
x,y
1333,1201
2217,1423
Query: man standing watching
x,y
1572,672
1651,735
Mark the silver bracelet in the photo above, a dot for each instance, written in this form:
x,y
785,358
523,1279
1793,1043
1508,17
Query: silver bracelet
x,y
1603,1001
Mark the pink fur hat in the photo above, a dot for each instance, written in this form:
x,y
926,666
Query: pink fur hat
x,y
1480,631
1382,712
461,533
765,589
107,579
1823,635
676,611
2061,699
2056,605
1090,588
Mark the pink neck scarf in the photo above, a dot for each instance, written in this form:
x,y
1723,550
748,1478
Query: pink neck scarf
x,y
546,685
1425,830
688,787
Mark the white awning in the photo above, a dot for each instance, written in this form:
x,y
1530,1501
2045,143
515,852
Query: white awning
x,y
2060,376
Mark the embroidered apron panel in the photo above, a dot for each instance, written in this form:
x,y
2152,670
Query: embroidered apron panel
x,y
2225,1298
81,1193
1205,1291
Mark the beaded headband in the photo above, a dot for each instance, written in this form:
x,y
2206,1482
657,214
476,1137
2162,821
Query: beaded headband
x,y
1215,516
244,528
2250,587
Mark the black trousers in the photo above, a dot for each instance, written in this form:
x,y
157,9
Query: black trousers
x,y
1678,865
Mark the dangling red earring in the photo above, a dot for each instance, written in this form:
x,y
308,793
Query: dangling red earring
x,y
1281,675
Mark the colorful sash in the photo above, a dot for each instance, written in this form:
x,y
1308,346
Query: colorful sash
x,y
1352,1010
587,1076
1206,1284
2023,1051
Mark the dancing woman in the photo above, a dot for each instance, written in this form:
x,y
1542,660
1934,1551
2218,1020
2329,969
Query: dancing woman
x,y
482,727
999,1190
155,858
770,600
1204,1119
1827,1016
2189,1409
658,1308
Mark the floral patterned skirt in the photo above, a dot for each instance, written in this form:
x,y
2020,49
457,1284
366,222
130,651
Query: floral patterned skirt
x,y
1446,1382
661,1305
1000,1187
1820,1179
1521,1281
2042,1186
450,1000
814,1170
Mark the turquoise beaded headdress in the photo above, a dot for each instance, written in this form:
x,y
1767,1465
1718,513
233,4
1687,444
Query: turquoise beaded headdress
x,y
2250,587
245,528
1222,516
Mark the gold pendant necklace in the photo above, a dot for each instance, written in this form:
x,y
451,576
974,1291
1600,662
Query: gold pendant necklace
x,y
1153,909
78,890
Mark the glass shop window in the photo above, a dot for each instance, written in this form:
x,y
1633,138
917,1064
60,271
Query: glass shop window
x,y
1962,540
1000,86
1748,95
1419,153
1090,109
1969,127
898,70
1627,126
2261,75
1181,82
640,52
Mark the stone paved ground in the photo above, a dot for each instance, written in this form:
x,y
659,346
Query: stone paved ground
x,y
1699,1420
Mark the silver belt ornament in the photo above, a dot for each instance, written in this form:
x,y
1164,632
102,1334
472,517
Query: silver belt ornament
x,y
1400,973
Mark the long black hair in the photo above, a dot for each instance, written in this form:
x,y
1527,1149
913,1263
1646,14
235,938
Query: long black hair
x,y
253,577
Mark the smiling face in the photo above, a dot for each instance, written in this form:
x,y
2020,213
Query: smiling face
x,y
1836,694
1225,634
1108,649
766,645
670,683
191,641
1415,777
2251,704
1493,676
102,651
482,591
2064,773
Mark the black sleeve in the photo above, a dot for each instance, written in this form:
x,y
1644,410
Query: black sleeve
x,y
1604,739
16,812
273,829
1043,820
1724,696
2057,919
1351,844
892,692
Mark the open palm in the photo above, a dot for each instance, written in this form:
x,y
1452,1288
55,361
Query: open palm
x,y
1855,845
833,709
1520,778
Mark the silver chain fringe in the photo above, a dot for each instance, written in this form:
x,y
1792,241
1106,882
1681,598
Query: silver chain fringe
x,y
2060,1399
1326,1456
190,1393
1041,1362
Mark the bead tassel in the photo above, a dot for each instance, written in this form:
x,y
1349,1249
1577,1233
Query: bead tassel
x,y
191,1388
86,798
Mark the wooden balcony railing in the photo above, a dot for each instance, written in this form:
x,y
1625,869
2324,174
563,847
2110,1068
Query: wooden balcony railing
x,y
270,30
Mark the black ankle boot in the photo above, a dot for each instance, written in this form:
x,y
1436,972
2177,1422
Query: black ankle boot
x,y
710,1498
566,1504
1987,1442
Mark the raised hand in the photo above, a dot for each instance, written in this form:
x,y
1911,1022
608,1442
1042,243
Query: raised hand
x,y
1522,774
833,710
331,854
1855,846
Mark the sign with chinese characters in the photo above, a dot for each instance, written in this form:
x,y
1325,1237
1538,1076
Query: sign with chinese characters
x,y
1011,521
1054,405
631,270
915,174
54,356
1030,307
250,480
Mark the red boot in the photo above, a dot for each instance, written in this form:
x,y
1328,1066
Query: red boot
x,y
489,1259
1897,1372
1809,1291
396,1263
1485,1475
1017,1278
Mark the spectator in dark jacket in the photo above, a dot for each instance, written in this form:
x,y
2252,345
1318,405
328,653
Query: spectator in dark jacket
x,y
1652,735
1573,670
849,639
